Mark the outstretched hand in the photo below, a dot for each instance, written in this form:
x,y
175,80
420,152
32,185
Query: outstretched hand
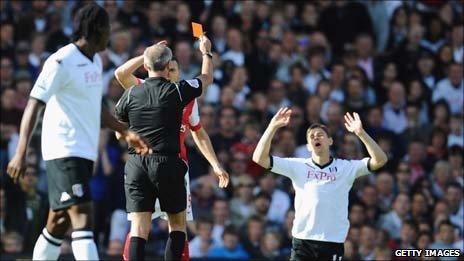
x,y
281,118
353,123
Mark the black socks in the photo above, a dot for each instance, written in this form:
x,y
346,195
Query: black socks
x,y
175,245
137,248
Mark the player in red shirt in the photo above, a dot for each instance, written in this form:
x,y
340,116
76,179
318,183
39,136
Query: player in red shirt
x,y
190,120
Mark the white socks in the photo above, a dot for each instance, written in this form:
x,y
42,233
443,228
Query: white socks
x,y
83,245
47,247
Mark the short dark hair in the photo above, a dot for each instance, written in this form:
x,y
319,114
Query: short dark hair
x,y
88,20
318,126
445,222
231,230
255,218
204,220
263,194
454,184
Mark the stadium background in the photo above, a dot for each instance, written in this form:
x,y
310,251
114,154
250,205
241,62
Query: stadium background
x,y
398,64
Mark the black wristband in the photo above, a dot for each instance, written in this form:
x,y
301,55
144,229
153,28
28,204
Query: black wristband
x,y
271,163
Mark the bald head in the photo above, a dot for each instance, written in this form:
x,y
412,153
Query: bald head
x,y
157,57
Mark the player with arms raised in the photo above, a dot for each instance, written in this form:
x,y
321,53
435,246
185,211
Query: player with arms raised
x,y
321,184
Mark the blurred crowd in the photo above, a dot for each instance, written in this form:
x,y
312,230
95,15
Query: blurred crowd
x,y
398,64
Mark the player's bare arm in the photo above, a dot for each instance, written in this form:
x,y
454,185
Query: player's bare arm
x,y
124,73
132,138
261,153
17,165
206,76
378,157
203,142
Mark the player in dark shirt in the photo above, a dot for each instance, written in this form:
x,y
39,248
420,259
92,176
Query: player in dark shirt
x,y
154,110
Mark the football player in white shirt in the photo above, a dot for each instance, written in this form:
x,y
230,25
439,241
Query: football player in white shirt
x,y
321,184
190,121
70,85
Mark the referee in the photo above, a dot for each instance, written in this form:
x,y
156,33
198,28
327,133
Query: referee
x,y
321,184
154,109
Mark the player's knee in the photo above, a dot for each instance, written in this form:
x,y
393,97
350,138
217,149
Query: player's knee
x,y
57,223
177,222
80,216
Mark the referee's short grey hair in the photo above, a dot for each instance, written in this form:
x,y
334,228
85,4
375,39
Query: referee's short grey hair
x,y
157,57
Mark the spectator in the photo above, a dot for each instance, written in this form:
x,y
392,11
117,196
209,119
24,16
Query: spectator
x,y
408,235
280,201
445,236
394,110
184,54
6,73
419,207
403,178
367,242
451,89
441,176
357,214
276,96
227,134
231,248
384,184
12,243
271,245
370,199
218,37
393,220
424,240
317,71
241,205
201,244
337,78
234,48
252,238
454,199
398,27
220,218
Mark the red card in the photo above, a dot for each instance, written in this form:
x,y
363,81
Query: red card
x,y
197,29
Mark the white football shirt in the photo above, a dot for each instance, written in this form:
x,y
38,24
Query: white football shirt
x,y
71,86
321,195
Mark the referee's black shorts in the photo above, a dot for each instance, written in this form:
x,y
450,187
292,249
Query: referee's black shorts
x,y
316,250
152,177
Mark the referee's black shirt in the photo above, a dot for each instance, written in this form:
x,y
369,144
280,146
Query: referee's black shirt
x,y
154,110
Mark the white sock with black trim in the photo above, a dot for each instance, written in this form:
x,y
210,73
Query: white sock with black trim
x,y
47,247
83,245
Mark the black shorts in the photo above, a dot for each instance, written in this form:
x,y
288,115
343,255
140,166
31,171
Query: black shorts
x,y
152,177
68,181
316,250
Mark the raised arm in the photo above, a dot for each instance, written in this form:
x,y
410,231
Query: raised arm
x,y
203,142
206,76
17,165
378,157
124,73
261,153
